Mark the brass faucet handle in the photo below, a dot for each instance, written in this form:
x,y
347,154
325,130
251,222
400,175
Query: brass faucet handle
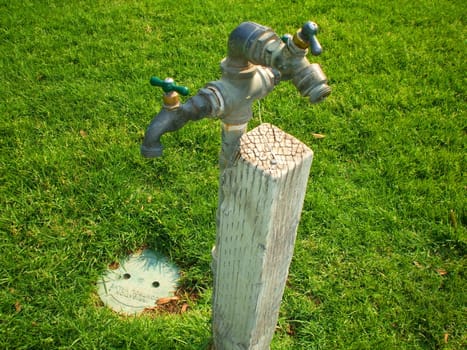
x,y
306,38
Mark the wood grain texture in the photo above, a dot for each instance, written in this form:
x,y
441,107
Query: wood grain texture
x,y
261,198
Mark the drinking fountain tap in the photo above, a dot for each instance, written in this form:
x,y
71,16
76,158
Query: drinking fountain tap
x,y
257,60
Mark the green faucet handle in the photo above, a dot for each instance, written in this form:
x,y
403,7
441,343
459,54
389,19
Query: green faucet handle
x,y
168,85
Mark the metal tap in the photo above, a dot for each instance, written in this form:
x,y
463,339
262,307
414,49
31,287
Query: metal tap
x,y
257,60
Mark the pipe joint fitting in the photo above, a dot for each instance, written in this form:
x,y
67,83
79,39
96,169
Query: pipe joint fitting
x,y
312,82
239,88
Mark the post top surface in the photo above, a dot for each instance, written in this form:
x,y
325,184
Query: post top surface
x,y
272,150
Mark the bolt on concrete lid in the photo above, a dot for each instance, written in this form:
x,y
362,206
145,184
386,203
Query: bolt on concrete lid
x,y
138,282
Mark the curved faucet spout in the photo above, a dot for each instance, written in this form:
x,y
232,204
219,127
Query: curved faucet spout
x,y
164,121
168,120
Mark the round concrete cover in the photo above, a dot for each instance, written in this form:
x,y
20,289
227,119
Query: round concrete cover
x,y
138,282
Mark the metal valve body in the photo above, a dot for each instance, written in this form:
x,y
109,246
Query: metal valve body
x,y
257,60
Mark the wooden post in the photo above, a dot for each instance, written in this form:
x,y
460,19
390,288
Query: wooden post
x,y
261,199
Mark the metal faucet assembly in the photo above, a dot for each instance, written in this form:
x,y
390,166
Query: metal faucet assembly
x,y
257,60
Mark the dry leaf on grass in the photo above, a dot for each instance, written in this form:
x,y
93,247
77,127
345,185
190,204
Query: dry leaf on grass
x,y
442,272
150,308
163,301
177,304
318,136
18,306
83,133
290,330
114,265
184,308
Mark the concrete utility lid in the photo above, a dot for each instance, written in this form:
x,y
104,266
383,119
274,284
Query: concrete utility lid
x,y
138,282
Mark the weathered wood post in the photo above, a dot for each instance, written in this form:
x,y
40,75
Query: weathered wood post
x,y
261,198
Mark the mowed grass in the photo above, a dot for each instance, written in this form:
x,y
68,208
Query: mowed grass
x,y
380,257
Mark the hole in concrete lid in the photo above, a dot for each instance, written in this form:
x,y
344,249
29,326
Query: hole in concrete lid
x,y
137,283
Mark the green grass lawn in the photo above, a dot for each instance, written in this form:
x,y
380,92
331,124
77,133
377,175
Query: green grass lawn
x,y
380,257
